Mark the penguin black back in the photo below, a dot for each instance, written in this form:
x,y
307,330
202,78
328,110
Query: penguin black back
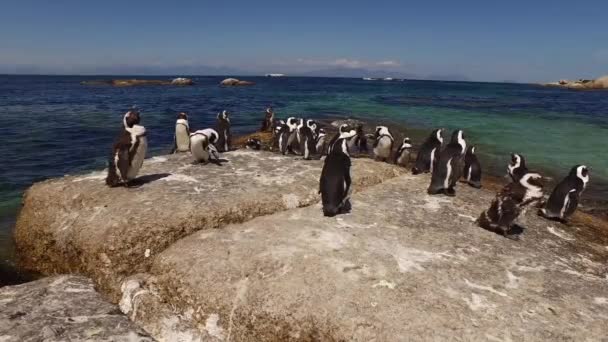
x,y
428,153
223,129
335,182
565,197
449,166
517,167
472,168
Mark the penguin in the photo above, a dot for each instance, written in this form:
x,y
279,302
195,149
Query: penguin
x,y
223,128
510,202
202,145
335,182
293,139
383,144
307,142
472,168
517,167
181,140
428,153
314,127
344,132
564,199
253,144
402,157
283,137
449,166
358,143
320,143
276,130
128,152
268,123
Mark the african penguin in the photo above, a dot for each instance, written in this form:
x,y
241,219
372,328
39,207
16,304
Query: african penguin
x,y
128,152
223,128
402,157
181,140
343,132
314,127
510,202
320,143
335,183
517,167
276,130
293,139
383,144
564,199
268,123
307,142
429,153
449,166
284,137
202,145
472,168
358,143
253,144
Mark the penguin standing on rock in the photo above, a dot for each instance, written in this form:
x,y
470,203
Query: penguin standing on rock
x,y
202,146
268,123
294,135
128,152
510,202
344,132
307,141
320,143
335,183
284,134
358,143
565,197
472,168
402,157
429,153
517,167
449,166
181,141
383,144
223,127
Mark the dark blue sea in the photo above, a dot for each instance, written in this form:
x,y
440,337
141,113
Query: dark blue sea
x,y
53,125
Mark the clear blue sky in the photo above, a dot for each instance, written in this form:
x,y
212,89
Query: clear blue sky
x,y
532,40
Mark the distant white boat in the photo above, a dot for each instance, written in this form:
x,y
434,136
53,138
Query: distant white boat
x,y
275,75
369,78
388,78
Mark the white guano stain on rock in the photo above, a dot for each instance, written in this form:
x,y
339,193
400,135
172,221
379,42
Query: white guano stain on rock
x,y
484,288
384,283
600,300
291,201
412,259
433,203
147,253
178,177
97,175
156,160
513,281
478,302
560,234
213,328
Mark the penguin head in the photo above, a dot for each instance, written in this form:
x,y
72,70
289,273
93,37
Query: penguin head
x,y
292,123
383,131
532,181
269,110
360,130
517,160
457,136
581,172
182,116
471,150
437,135
344,128
406,143
223,115
212,135
322,132
253,143
131,118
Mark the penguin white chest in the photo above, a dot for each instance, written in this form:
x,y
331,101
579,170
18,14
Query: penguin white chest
x,y
198,149
383,149
182,139
138,158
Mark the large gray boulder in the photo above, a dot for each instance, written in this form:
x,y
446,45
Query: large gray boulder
x,y
62,308
76,224
402,266
232,82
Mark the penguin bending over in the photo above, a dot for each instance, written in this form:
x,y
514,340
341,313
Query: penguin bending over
x,y
128,152
268,123
402,157
335,183
181,140
517,167
202,146
383,144
510,202
564,199
223,127
429,153
472,168
449,166
320,143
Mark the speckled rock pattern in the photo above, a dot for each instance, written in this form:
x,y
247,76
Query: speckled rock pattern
x,y
62,308
402,266
76,224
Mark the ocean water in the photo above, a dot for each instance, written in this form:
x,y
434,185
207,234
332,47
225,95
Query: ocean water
x,y
52,125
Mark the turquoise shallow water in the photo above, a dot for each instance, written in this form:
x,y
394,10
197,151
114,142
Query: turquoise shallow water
x,y
42,118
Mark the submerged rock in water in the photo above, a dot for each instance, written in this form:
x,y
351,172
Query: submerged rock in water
x,y
182,81
77,224
138,82
62,308
235,82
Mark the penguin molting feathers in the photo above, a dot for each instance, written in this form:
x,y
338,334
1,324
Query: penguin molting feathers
x,y
510,202
223,128
429,153
335,182
449,166
472,168
383,144
128,152
564,199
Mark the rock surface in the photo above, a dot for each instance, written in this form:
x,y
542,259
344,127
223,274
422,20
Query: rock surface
x,y
599,83
402,266
230,82
76,224
138,82
62,308
182,81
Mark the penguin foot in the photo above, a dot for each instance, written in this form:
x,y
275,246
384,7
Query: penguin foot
x,y
475,185
450,192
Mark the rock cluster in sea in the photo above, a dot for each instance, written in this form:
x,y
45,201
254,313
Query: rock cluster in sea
x,y
582,84
242,252
231,82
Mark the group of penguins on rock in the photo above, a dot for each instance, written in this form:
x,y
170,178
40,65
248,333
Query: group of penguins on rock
x,y
447,164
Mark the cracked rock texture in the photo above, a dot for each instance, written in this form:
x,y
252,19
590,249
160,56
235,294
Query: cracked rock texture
x,y
76,224
402,266
62,308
